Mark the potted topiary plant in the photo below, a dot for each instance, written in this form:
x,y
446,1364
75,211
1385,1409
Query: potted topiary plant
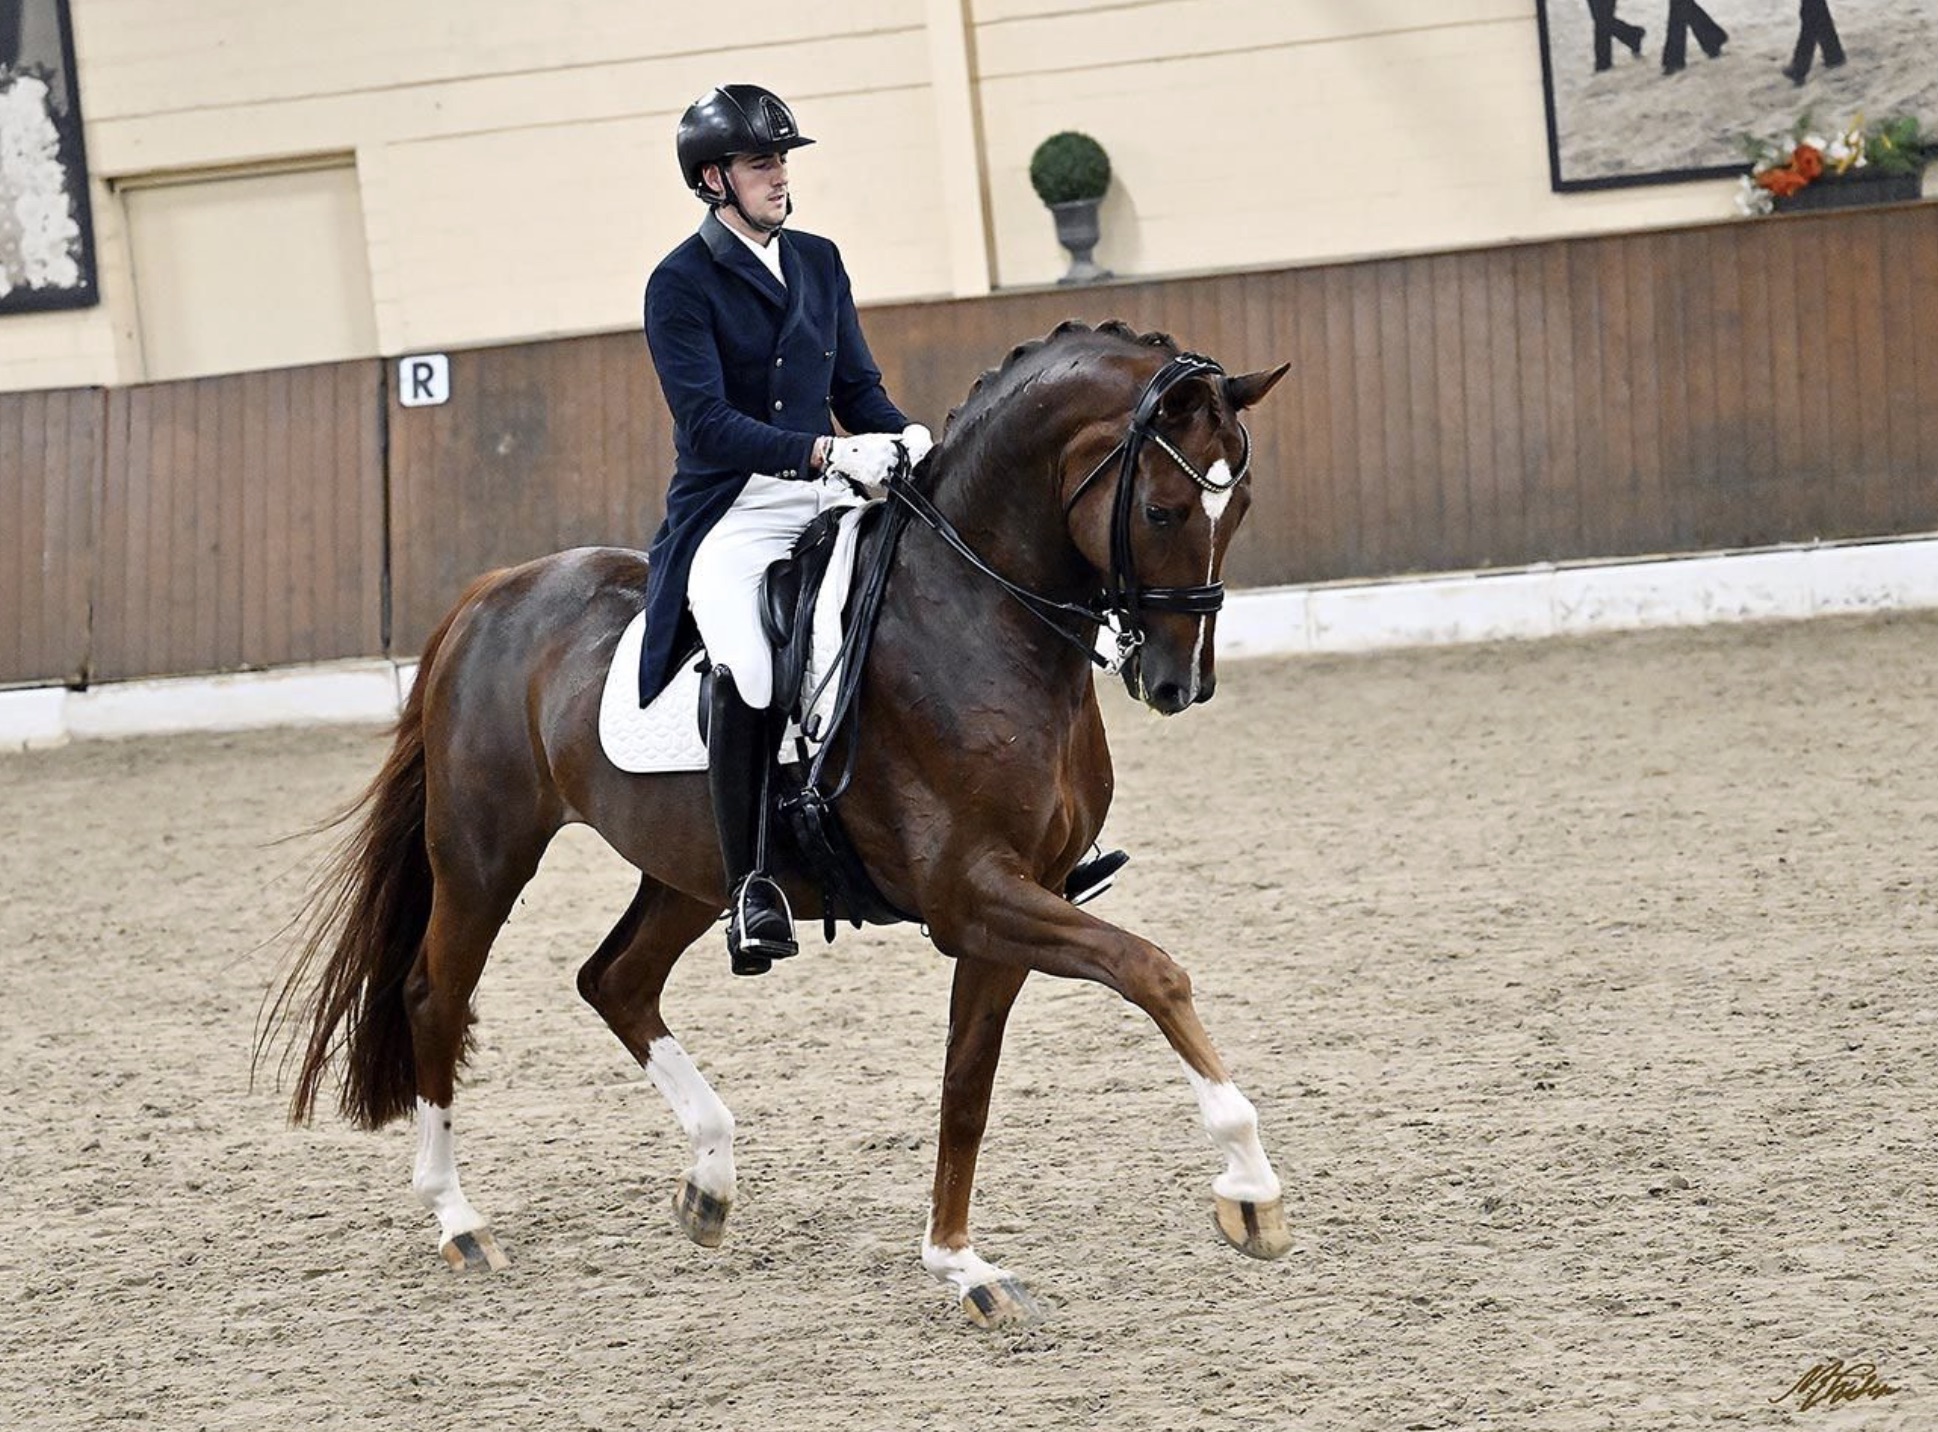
x,y
1070,173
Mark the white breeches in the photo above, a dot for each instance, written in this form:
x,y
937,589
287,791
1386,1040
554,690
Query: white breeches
x,y
723,587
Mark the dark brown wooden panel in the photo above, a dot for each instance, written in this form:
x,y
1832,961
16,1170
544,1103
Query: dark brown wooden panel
x,y
51,447
1728,386
241,523
540,448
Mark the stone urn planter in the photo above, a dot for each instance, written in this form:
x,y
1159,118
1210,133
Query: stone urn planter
x,y
1071,173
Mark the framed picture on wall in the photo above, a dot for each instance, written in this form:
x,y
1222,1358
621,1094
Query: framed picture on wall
x,y
1657,91
46,230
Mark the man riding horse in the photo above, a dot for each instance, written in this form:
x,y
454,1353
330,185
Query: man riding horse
x,y
759,351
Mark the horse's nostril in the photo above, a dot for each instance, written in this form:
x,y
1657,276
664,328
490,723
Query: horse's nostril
x,y
1169,696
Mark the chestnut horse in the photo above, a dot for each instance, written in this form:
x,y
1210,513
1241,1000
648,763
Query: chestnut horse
x,y
1095,476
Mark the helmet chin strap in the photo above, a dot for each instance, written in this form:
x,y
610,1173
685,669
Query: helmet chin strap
x,y
733,198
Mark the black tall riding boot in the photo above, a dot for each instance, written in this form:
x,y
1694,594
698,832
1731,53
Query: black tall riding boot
x,y
740,749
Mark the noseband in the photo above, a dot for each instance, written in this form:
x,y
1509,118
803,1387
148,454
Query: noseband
x,y
1125,598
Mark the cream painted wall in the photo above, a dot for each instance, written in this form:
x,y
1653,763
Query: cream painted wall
x,y
1252,133
516,177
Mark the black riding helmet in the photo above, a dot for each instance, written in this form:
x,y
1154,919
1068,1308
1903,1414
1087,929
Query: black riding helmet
x,y
730,120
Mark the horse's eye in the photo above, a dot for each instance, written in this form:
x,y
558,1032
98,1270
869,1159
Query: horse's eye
x,y
1164,516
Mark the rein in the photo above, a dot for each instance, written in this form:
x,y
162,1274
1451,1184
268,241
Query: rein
x,y
1124,597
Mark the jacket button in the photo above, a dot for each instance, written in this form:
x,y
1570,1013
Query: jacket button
x,y
777,405
778,362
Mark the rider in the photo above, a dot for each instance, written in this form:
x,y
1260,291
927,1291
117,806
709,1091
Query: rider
x,y
757,346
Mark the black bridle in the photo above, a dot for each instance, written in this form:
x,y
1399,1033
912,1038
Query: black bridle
x,y
1124,598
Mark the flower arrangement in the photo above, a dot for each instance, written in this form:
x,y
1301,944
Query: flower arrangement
x,y
1782,165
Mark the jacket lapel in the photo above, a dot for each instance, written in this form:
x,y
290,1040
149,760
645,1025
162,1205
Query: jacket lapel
x,y
734,256
796,285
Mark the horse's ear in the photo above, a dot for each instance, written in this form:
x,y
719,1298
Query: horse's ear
x,y
1245,390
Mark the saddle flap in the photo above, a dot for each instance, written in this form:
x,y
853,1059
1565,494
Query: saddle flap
x,y
787,594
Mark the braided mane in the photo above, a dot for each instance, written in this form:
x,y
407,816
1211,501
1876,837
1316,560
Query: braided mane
x,y
990,385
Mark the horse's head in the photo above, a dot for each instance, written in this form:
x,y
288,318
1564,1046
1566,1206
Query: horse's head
x,y
1152,497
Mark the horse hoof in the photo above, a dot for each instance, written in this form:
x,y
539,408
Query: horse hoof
x,y
1255,1229
474,1252
1005,1303
703,1215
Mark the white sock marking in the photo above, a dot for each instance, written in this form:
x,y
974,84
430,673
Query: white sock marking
x,y
960,1268
1232,1123
434,1178
707,1123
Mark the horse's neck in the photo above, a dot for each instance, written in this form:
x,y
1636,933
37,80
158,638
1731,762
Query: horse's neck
x,y
1003,504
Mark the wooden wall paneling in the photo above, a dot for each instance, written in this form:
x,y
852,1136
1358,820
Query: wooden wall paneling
x,y
1440,450
1734,515
1898,247
1499,509
1405,368
1608,421
1814,473
1288,437
1641,486
1840,382
233,528
25,612
1914,292
207,559
1340,551
1773,253
1370,465
1864,295
1474,350
1688,361
51,450
1556,529
1755,454
1583,524
1538,440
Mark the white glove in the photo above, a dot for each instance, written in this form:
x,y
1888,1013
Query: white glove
x,y
916,439
867,459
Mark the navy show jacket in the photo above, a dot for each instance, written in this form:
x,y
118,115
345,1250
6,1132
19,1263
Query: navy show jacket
x,y
753,371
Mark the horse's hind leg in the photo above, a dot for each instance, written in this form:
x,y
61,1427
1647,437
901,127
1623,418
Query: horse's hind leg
x,y
623,981
979,1006
474,888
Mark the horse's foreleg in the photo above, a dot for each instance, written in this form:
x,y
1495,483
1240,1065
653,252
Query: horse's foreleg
x,y
1020,923
623,981
979,1006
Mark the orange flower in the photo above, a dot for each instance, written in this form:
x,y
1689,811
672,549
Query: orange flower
x,y
1781,182
1808,162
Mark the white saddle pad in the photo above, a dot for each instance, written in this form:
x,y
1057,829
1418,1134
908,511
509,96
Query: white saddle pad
x,y
665,736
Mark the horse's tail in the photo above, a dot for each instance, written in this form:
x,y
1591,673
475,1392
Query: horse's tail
x,y
362,924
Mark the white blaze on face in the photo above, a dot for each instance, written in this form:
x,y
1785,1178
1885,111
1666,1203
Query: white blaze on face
x,y
1232,1123
1219,475
1215,505
707,1123
434,1178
